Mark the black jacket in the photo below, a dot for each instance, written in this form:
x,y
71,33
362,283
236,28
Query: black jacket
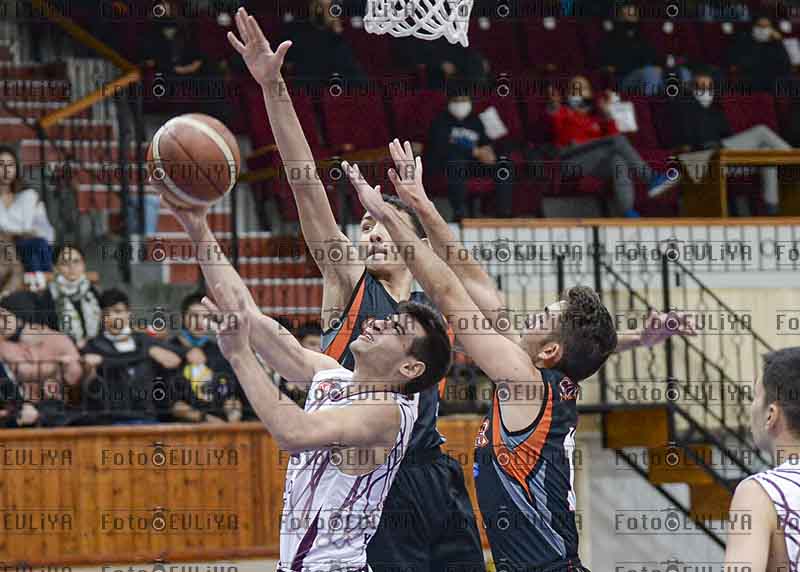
x,y
699,127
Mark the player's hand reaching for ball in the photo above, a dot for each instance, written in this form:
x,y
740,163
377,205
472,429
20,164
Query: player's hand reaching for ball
x,y
192,218
233,332
263,63
369,196
407,176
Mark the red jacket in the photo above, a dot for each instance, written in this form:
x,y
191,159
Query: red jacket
x,y
570,126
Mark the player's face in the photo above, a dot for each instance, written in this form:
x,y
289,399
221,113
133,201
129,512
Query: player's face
x,y
196,320
540,327
116,317
379,251
8,168
71,265
384,345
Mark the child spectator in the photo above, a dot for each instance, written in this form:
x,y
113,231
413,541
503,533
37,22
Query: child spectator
x,y
206,379
128,379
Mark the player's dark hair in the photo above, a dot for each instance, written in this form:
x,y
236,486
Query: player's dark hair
x,y
191,300
113,296
586,332
397,203
17,183
782,383
434,349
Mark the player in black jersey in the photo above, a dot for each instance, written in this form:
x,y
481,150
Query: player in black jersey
x,y
523,459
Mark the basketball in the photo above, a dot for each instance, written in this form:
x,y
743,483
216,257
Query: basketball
x,y
194,160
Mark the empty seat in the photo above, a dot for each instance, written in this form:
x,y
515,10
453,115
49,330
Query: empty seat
x,y
553,44
414,113
499,42
745,111
356,120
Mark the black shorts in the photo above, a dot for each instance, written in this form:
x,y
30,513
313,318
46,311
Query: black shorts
x,y
427,524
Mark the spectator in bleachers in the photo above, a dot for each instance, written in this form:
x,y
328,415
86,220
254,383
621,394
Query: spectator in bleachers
x,y
37,367
70,303
588,140
206,380
442,61
170,46
23,216
321,51
129,373
11,270
698,126
310,337
632,59
760,58
459,148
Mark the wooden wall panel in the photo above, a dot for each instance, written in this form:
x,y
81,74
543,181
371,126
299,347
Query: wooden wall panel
x,y
220,491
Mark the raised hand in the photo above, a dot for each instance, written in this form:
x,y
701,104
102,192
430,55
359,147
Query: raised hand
x,y
263,63
407,177
369,196
661,326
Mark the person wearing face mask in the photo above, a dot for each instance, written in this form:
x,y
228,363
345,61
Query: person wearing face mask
x,y
128,373
698,126
588,139
206,380
760,58
459,148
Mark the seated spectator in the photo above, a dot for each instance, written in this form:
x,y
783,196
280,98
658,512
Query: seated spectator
x,y
310,337
206,379
170,46
70,303
37,367
320,51
442,61
634,62
458,148
11,269
588,141
23,216
698,126
129,373
760,58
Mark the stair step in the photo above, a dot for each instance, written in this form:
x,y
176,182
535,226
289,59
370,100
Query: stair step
x,y
219,222
86,151
36,109
14,129
674,465
710,502
641,427
33,70
35,90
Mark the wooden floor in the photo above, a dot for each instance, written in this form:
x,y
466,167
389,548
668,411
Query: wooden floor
x,y
237,565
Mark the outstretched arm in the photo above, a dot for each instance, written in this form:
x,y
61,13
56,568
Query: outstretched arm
x,y
407,181
498,357
658,328
316,217
294,429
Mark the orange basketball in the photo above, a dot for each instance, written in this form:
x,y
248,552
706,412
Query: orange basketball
x,y
194,160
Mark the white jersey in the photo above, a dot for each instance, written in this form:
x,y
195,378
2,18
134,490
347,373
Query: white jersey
x,y
329,516
782,484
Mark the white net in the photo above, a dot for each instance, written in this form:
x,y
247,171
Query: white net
x,y
424,19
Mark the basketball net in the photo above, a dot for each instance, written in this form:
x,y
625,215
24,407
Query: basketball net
x,y
424,19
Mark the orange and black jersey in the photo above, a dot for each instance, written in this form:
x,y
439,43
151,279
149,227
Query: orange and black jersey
x,y
524,479
371,300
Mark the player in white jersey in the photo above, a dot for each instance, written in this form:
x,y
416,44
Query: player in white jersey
x,y
347,444
771,499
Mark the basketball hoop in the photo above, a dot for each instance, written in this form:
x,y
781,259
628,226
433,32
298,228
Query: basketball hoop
x,y
424,19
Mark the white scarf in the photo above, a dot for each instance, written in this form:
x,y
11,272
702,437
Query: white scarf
x,y
67,295
123,342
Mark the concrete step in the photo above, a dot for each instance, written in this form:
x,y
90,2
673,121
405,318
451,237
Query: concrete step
x,y
15,129
36,109
36,90
33,70
84,151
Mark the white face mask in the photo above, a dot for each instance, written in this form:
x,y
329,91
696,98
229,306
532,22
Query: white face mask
x,y
575,101
704,98
761,34
460,109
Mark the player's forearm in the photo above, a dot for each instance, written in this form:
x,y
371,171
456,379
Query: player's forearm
x,y
628,341
279,349
282,417
215,266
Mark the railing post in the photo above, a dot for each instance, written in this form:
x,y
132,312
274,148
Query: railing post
x,y
234,230
560,274
597,253
671,383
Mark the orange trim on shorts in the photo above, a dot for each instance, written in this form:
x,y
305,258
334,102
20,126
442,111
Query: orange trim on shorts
x,y
519,463
339,344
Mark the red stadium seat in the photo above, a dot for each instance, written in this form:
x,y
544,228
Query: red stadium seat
x,y
679,41
508,110
715,44
499,42
373,52
260,130
414,113
554,49
355,119
645,137
745,111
